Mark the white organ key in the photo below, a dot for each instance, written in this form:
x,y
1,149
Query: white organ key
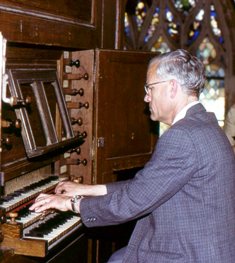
x,y
29,219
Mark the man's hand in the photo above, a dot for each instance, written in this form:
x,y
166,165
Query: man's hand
x,y
64,191
71,189
44,202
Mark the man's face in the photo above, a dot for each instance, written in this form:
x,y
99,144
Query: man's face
x,y
157,96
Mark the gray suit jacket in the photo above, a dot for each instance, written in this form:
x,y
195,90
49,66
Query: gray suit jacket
x,y
184,197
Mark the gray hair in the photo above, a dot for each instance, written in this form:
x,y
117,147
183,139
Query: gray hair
x,y
185,68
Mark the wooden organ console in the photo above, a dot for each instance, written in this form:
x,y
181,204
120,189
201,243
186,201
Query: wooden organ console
x,y
66,115
37,137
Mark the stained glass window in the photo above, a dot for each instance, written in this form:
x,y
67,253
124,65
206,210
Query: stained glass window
x,y
184,6
154,22
214,25
160,45
195,27
189,24
140,14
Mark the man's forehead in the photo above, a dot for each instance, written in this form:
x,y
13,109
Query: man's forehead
x,y
152,71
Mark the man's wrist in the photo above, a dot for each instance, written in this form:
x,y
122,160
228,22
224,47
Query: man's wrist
x,y
68,204
74,201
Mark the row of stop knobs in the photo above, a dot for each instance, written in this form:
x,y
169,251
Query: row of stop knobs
x,y
76,105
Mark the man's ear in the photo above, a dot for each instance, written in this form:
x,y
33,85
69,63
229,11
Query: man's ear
x,y
174,88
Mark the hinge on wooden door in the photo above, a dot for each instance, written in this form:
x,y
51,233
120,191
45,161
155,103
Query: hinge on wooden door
x,y
100,142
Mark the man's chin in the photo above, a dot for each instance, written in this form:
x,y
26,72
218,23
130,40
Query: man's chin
x,y
152,117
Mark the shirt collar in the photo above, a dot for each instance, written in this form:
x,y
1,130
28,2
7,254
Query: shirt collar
x,y
180,115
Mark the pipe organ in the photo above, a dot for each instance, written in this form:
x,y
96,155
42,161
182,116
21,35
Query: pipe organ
x,y
71,109
64,124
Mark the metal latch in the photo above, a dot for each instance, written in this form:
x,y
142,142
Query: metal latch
x,y
100,142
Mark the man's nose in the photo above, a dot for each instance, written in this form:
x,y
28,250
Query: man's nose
x,y
147,98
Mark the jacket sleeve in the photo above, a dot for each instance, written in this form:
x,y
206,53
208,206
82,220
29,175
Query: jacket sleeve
x,y
171,166
112,187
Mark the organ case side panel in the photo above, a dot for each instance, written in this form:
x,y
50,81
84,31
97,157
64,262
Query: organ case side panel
x,y
125,137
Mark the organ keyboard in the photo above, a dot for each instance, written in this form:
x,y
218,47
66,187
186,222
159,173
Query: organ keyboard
x,y
22,195
53,227
30,233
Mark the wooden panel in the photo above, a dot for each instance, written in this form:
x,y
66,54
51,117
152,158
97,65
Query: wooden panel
x,y
121,78
25,247
73,10
64,23
73,249
121,117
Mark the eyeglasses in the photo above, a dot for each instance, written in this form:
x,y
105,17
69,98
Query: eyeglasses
x,y
147,87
